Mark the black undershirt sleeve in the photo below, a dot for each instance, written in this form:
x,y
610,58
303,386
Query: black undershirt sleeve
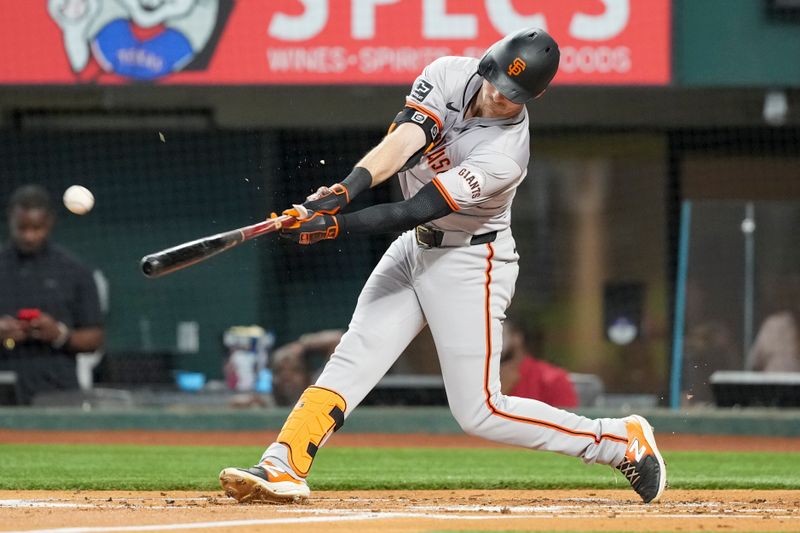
x,y
428,204
357,181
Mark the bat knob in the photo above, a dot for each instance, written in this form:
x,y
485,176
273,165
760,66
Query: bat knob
x,y
150,266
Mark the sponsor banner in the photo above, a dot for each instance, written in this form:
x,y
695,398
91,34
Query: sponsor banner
x,y
318,41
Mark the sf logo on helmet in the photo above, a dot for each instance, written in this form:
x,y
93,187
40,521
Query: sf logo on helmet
x,y
516,67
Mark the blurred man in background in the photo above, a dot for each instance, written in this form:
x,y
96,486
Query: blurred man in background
x,y
297,364
524,376
49,305
290,375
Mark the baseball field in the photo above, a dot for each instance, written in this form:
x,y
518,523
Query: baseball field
x,y
161,481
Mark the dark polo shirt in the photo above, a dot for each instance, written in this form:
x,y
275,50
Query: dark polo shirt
x,y
55,282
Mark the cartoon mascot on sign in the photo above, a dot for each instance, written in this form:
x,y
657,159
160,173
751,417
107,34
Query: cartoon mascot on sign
x,y
137,39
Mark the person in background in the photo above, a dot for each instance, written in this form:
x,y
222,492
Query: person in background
x,y
524,376
49,304
709,344
777,344
295,365
290,375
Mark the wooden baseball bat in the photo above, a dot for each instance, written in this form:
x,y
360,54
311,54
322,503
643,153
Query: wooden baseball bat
x,y
160,263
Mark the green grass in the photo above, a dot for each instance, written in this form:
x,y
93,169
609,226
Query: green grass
x,y
105,467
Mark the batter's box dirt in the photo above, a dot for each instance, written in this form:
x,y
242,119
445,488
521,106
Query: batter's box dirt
x,y
396,511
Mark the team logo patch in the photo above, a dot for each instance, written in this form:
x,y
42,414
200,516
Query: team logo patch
x,y
418,117
472,183
434,131
421,90
516,67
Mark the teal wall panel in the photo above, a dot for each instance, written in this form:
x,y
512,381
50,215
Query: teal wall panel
x,y
734,43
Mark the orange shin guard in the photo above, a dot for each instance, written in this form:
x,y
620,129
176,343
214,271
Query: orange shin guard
x,y
317,414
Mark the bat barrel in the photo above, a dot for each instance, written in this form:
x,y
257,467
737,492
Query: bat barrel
x,y
172,259
183,255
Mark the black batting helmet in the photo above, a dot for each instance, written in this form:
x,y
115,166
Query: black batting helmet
x,y
522,64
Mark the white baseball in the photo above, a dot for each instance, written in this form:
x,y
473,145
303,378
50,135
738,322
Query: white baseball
x,y
78,199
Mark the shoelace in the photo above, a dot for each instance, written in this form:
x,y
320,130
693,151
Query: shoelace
x,y
630,472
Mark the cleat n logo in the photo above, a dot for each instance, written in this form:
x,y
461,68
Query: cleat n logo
x,y
516,67
638,451
272,470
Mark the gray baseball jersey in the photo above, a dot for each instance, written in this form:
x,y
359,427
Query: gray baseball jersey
x,y
462,291
479,162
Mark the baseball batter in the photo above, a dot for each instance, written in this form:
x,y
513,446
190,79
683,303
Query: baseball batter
x,y
460,148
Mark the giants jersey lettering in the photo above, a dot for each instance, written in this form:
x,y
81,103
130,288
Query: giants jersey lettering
x,y
478,162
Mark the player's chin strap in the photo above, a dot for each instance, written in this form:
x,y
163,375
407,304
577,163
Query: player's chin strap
x,y
339,195
318,413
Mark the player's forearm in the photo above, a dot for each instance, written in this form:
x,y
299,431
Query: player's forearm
x,y
374,168
384,160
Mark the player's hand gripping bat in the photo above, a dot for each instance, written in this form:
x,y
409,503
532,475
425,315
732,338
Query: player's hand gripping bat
x,y
189,253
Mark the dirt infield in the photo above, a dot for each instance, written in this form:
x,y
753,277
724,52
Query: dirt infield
x,y
396,511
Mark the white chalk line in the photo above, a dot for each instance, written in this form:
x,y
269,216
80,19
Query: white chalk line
x,y
200,525
89,504
343,518
34,503
433,512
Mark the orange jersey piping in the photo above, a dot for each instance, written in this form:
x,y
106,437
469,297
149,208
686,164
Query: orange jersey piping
x,y
447,198
488,397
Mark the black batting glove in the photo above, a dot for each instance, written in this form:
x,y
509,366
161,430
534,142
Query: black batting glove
x,y
328,200
310,227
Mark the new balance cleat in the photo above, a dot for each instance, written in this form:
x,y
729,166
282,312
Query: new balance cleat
x,y
263,483
643,465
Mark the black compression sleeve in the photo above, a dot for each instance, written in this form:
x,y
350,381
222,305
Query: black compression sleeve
x,y
428,204
359,180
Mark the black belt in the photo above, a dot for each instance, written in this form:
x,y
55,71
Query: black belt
x,y
432,238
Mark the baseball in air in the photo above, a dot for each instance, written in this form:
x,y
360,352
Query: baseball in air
x,y
78,199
